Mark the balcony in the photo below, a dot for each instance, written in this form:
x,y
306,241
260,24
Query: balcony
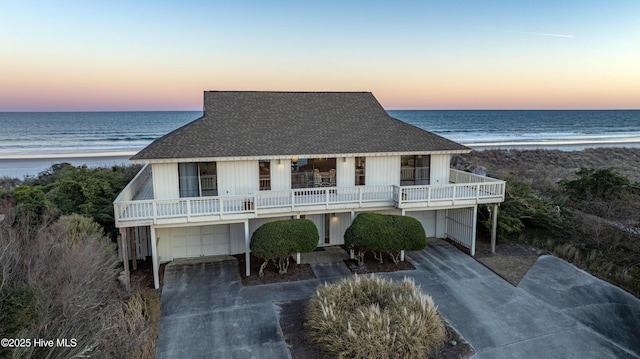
x,y
135,206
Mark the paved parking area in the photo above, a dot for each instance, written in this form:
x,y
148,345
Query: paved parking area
x,y
557,311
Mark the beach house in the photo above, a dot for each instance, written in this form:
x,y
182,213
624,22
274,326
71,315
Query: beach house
x,y
255,157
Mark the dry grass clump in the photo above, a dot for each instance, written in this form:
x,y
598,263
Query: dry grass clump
x,y
134,326
544,168
373,317
58,280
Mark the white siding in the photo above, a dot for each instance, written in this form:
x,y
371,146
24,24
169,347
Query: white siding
x,y
280,175
439,169
345,172
164,244
236,234
338,225
165,180
382,171
389,211
427,219
441,223
238,177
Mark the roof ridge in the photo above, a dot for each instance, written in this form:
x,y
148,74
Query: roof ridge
x,y
276,91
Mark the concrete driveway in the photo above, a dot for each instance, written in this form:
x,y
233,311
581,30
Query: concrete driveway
x,y
557,311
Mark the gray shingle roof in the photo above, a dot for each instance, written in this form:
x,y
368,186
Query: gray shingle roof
x,y
239,123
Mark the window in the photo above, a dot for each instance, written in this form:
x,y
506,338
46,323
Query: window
x,y
208,178
197,179
313,172
415,170
188,179
265,175
360,171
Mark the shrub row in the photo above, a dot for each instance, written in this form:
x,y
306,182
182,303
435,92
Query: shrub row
x,y
278,240
384,233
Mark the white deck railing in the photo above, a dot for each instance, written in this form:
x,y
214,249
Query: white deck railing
x,y
471,189
134,186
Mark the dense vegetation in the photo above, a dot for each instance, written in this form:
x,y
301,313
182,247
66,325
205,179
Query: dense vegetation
x,y
373,317
81,190
277,241
59,269
590,216
381,233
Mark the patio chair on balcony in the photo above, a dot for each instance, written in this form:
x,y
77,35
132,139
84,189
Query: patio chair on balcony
x,y
317,178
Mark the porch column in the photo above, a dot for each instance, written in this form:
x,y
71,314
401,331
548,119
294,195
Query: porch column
x,y
247,243
494,227
125,257
134,254
154,257
473,230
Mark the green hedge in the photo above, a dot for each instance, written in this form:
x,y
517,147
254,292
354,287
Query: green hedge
x,y
278,240
384,233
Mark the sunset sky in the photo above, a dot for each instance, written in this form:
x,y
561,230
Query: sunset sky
x,y
161,55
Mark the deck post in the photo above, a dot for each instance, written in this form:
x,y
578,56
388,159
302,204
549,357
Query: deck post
x,y
154,257
473,230
494,227
247,243
134,254
125,257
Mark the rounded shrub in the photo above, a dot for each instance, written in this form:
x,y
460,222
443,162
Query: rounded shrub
x,y
410,235
384,233
373,317
278,240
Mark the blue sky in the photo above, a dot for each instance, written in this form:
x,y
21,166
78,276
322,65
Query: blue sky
x,y
121,55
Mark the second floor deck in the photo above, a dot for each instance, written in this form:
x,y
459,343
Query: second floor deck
x,y
136,206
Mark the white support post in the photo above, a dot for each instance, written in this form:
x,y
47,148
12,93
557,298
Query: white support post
x,y
473,230
154,258
402,255
247,242
298,258
125,257
494,227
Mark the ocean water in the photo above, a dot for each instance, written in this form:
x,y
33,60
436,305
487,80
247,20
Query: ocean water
x,y
33,134
31,142
560,129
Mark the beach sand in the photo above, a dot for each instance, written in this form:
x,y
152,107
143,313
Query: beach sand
x,y
21,166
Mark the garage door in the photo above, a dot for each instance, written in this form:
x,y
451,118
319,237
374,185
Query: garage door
x,y
189,242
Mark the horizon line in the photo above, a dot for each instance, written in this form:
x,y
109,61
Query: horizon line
x,y
386,109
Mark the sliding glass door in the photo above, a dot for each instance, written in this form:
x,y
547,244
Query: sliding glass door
x,y
197,179
313,172
415,170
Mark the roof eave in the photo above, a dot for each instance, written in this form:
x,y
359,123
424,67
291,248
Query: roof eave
x,y
301,155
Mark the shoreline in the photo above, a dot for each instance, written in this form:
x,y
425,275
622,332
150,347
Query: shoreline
x,y
68,155
31,165
568,145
